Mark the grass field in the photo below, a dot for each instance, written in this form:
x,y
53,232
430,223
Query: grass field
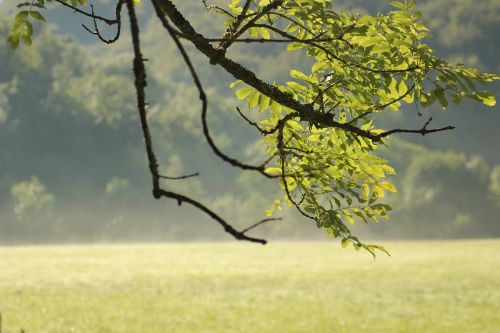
x,y
237,287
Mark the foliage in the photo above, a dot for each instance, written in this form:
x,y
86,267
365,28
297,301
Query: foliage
x,y
22,29
369,65
319,128
31,197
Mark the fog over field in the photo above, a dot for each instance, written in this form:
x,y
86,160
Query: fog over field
x,y
284,287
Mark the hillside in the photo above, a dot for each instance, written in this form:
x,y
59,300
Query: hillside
x,y
72,164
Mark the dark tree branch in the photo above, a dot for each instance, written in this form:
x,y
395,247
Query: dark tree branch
x,y
306,112
180,177
271,40
203,97
93,16
333,55
269,159
140,84
259,223
292,21
166,11
210,7
422,131
236,24
322,92
252,123
239,235
118,23
381,107
232,33
282,156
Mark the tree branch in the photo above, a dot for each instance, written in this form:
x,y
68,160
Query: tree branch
x,y
93,16
140,84
423,131
232,33
239,235
333,55
282,156
180,177
306,111
203,97
96,29
259,223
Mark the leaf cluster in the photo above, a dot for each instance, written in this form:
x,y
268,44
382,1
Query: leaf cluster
x,y
363,65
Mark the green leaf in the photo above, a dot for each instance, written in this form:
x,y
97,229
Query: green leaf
x,y
310,209
244,92
37,16
264,102
486,98
273,171
398,5
295,46
275,108
299,75
235,83
348,216
13,40
27,39
29,29
381,248
388,186
441,98
378,191
366,191
23,4
264,33
359,214
21,18
253,99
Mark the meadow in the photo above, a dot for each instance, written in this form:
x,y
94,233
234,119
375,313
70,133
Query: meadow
x,y
314,287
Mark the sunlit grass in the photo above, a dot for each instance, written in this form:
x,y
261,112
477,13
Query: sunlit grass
x,y
238,287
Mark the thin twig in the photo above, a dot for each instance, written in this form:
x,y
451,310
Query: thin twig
x,y
272,5
259,223
423,131
282,156
180,177
252,123
96,28
97,17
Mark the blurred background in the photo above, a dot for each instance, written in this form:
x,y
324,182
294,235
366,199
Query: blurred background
x,y
73,166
